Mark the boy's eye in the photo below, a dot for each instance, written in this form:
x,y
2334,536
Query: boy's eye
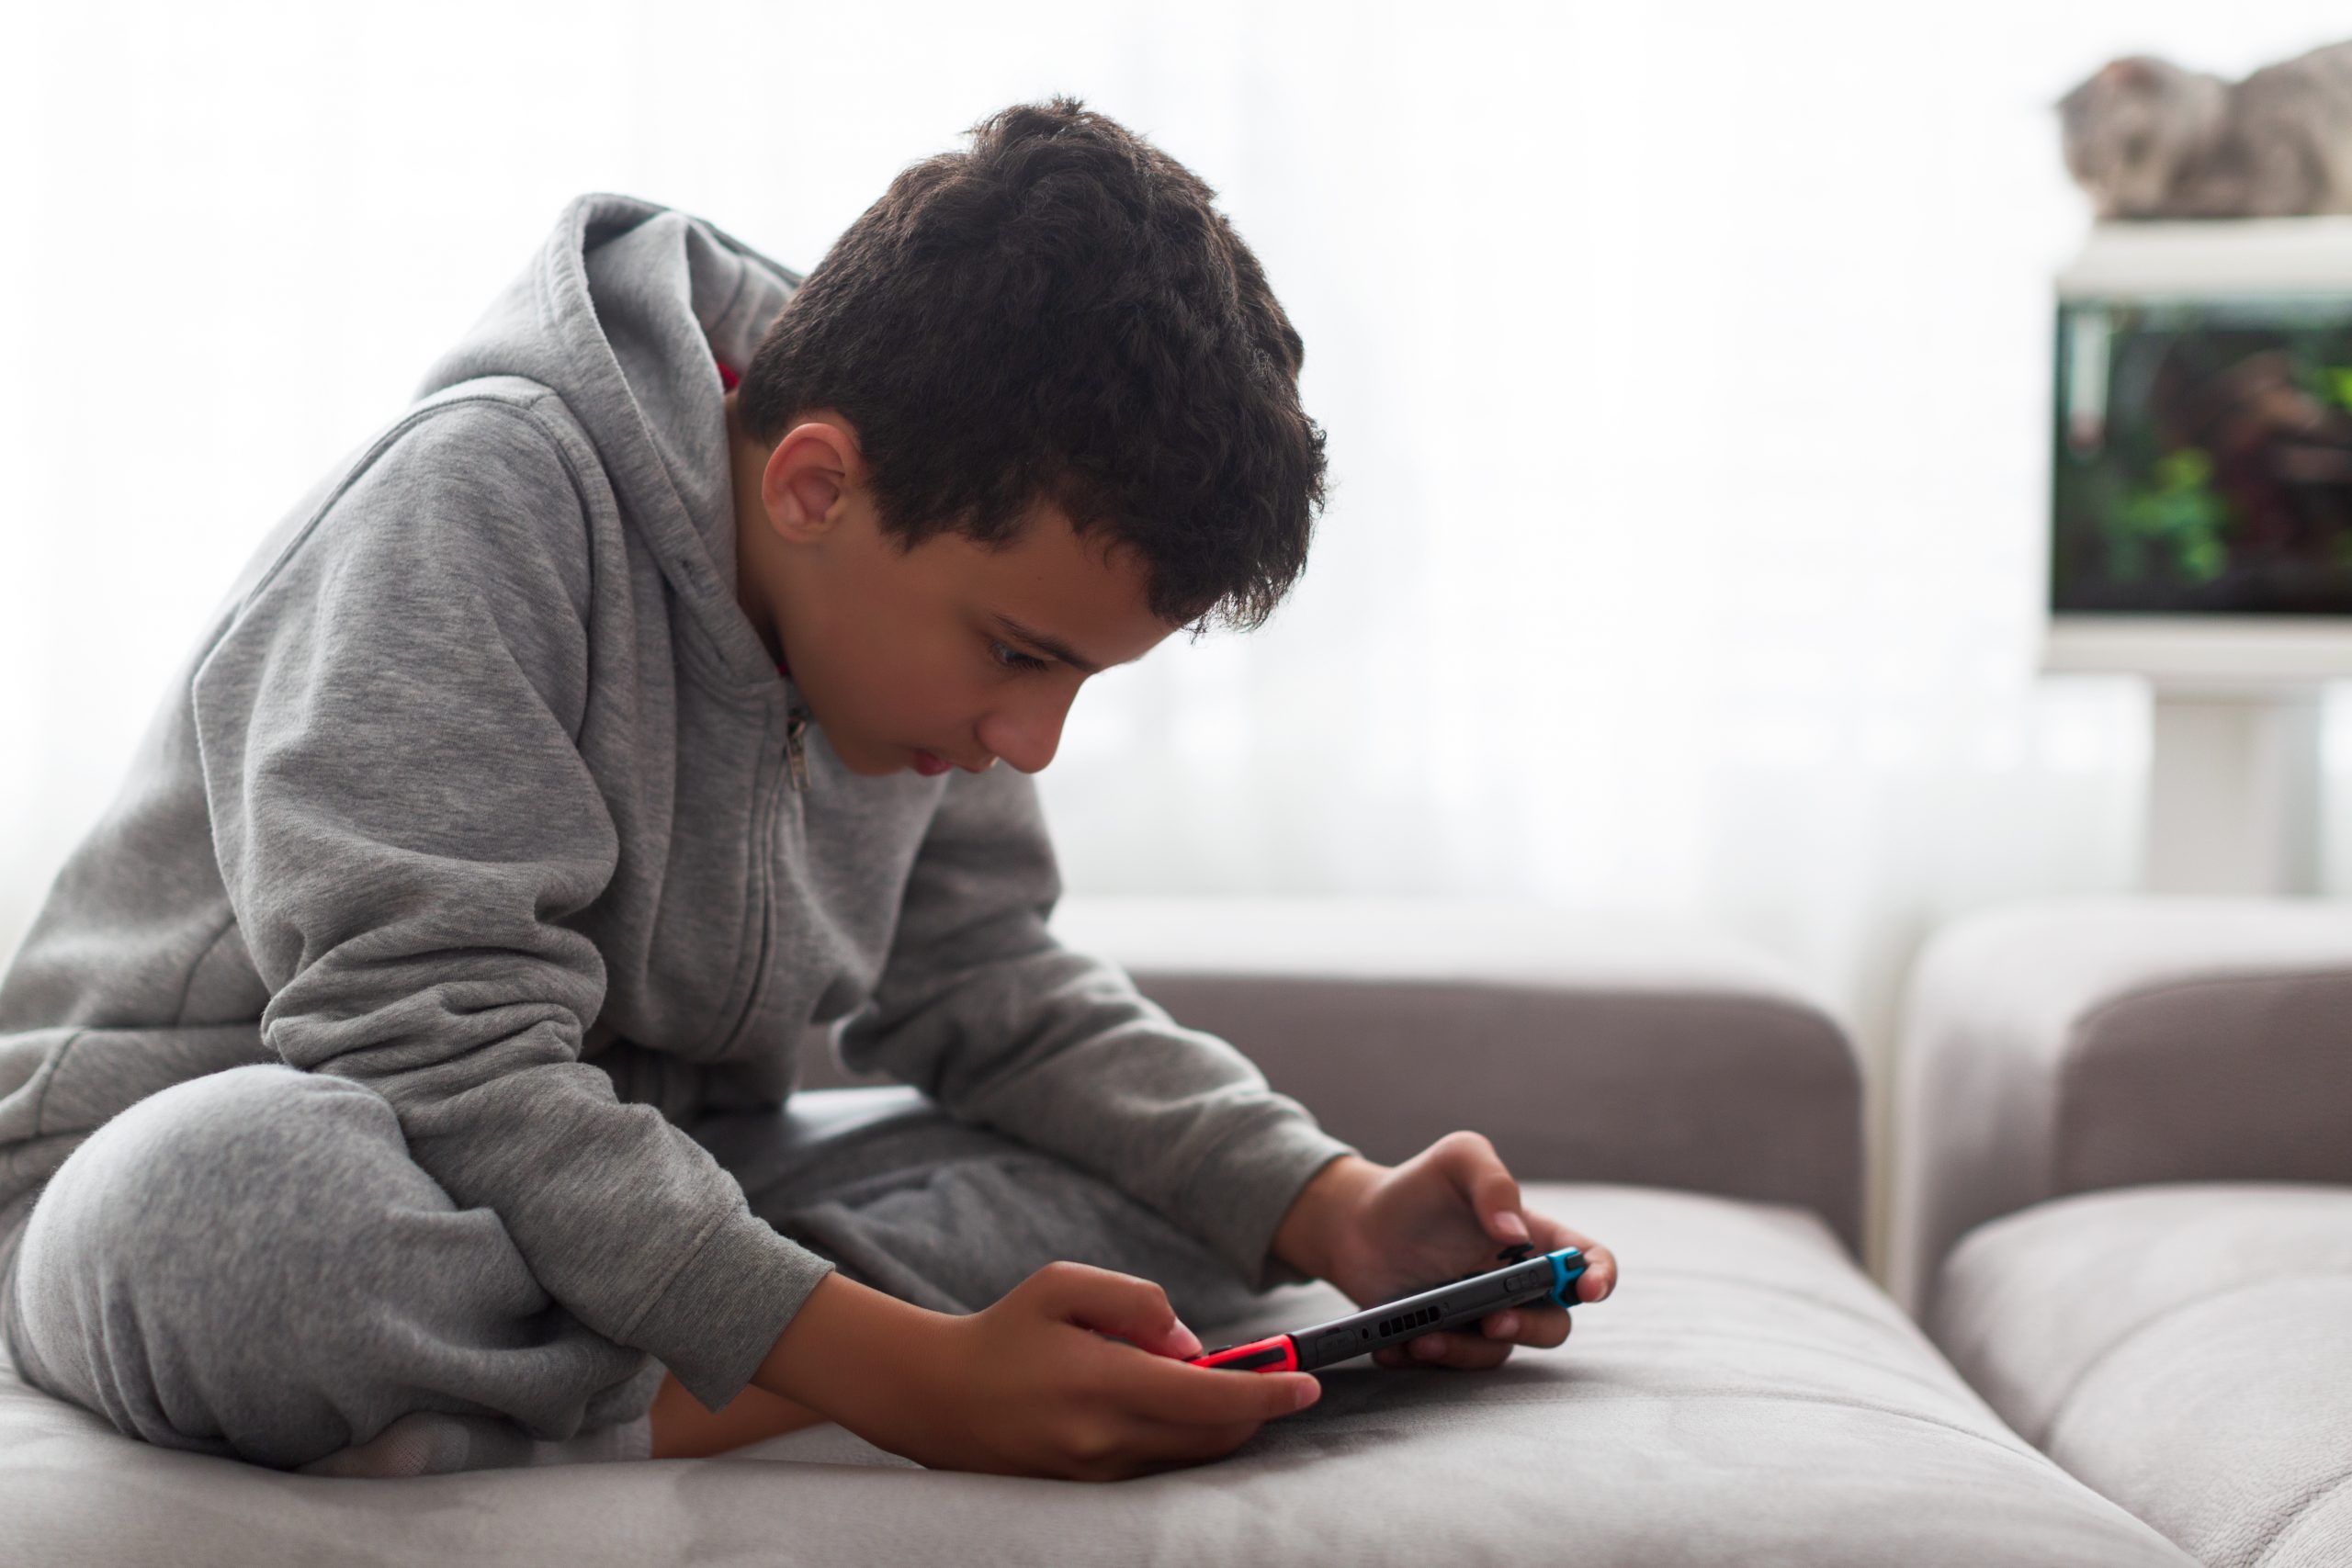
x,y
1013,659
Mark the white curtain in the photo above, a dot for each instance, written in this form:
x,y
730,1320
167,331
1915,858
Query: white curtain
x,y
1685,368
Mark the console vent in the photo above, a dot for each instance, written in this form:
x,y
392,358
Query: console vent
x,y
1404,1321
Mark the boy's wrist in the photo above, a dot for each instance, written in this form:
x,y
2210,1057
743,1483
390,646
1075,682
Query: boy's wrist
x,y
851,1348
1310,1228
848,1346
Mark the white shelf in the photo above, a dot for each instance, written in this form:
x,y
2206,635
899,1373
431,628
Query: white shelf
x,y
2225,256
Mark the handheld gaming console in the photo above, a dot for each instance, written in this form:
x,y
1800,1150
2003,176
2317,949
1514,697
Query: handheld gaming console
x,y
1551,1276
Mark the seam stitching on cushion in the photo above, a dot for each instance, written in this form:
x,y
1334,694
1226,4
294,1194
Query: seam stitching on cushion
x,y
2310,1500
2083,1373
1790,1009
2020,1447
1777,1293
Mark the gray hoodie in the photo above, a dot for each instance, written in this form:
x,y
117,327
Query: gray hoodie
x,y
480,789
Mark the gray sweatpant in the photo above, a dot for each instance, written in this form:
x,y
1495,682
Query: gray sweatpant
x,y
249,1264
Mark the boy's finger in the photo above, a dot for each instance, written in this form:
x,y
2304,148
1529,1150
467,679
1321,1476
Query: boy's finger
x,y
1124,1306
1468,1351
1542,1327
1171,1390
1599,1275
1464,1351
1481,1176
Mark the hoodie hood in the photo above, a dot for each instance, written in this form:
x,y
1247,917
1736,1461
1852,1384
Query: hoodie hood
x,y
624,315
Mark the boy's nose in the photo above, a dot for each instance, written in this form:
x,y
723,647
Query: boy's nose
x,y
1025,737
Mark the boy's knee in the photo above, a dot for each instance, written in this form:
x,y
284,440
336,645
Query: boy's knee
x,y
186,1227
201,1191
238,1155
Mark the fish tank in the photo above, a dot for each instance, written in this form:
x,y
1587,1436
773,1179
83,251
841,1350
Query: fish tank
x,y
2200,499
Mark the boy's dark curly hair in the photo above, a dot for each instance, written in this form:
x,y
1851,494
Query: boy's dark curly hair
x,y
1058,313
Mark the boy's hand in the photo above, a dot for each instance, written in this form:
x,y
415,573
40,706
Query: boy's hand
x,y
1031,1386
1379,1232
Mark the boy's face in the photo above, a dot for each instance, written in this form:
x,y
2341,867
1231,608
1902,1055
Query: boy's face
x,y
948,655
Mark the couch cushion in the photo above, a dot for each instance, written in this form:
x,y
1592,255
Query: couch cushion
x,y
2186,1349
1745,1397
1749,1087
2077,1045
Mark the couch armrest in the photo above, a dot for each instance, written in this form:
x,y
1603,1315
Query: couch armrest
x,y
1588,1049
2070,1046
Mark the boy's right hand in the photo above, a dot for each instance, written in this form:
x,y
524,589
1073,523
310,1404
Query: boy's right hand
x,y
1031,1386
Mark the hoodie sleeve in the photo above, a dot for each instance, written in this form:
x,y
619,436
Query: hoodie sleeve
x,y
982,1009
407,830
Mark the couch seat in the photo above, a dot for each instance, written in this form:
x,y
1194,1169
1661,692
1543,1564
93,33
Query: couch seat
x,y
2185,1347
1746,1397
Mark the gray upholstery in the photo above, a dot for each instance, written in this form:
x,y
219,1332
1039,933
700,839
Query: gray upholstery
x,y
2184,1347
1681,1058
1745,1397
2067,1047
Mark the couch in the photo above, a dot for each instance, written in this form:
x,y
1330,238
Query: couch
x,y
2123,1204
1747,1396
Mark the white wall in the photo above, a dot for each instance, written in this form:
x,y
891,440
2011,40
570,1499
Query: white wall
x,y
1684,366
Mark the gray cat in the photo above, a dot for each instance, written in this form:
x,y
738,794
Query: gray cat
x,y
2149,140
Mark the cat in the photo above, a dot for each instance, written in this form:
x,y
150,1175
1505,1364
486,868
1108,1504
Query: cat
x,y
2147,139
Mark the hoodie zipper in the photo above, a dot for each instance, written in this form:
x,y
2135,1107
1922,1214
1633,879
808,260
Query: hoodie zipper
x,y
763,892
796,773
796,749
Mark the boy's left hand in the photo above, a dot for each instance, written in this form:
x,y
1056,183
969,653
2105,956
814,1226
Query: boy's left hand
x,y
1379,1232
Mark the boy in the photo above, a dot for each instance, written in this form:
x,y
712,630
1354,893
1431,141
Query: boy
x,y
601,726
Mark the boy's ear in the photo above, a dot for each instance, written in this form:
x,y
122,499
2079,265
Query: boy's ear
x,y
810,475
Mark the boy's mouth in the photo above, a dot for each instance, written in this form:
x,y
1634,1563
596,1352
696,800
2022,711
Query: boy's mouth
x,y
930,765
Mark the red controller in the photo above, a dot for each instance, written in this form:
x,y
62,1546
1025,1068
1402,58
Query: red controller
x,y
1279,1354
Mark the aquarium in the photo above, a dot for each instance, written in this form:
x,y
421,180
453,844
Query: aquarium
x,y
2202,460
